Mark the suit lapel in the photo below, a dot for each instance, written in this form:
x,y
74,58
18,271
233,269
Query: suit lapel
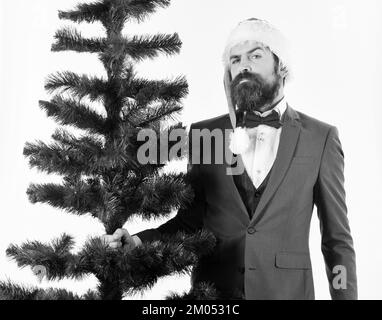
x,y
288,140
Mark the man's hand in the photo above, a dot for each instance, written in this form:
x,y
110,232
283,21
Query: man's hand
x,y
121,238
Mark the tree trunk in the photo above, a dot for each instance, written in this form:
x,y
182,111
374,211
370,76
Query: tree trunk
x,y
110,290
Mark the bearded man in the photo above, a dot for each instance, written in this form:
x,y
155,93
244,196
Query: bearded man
x,y
261,217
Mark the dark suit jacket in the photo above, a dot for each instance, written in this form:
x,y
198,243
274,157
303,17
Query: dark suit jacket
x,y
267,256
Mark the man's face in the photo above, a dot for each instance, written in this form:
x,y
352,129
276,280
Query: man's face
x,y
256,80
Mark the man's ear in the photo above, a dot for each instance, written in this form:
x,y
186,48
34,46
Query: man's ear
x,y
280,67
283,70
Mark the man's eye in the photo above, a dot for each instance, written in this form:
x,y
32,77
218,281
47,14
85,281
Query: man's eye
x,y
234,61
256,56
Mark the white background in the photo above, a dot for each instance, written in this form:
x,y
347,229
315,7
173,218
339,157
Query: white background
x,y
337,79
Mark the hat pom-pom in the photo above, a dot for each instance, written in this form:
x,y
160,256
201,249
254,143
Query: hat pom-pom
x,y
239,141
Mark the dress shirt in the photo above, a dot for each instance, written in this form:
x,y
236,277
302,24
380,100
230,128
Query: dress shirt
x,y
258,159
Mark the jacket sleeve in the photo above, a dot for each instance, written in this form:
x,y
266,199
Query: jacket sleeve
x,y
188,219
337,242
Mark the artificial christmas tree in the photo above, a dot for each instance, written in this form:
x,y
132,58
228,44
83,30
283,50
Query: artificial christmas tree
x,y
100,169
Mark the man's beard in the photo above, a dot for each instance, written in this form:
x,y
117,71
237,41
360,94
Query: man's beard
x,y
253,93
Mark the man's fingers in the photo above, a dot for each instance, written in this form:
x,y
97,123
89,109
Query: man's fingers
x,y
107,238
116,240
115,244
119,234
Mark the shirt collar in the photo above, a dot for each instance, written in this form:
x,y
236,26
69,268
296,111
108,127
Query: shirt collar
x,y
280,108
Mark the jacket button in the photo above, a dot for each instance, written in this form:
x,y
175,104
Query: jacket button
x,y
257,194
251,230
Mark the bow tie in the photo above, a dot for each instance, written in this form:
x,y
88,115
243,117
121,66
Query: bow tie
x,y
252,120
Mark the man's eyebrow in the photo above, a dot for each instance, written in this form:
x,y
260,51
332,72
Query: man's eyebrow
x,y
254,49
248,52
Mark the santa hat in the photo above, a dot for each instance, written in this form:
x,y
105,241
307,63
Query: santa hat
x,y
263,32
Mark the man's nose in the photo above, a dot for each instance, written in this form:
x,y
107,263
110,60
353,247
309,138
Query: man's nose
x,y
245,68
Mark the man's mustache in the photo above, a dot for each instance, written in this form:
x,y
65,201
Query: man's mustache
x,y
251,77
